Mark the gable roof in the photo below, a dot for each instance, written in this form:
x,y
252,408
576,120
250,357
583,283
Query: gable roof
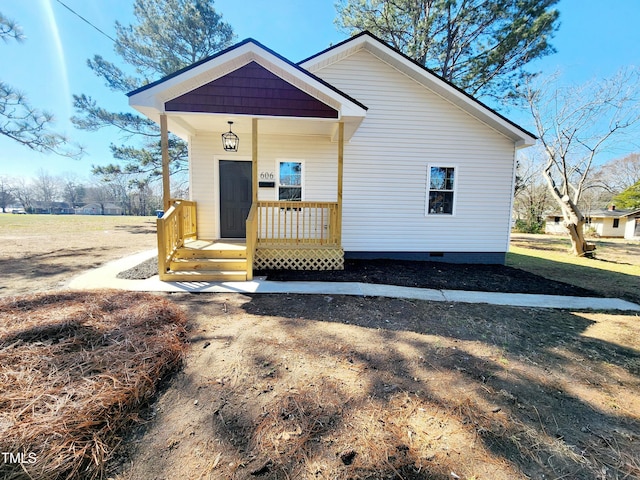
x,y
606,213
251,90
445,89
227,51
317,95
632,213
602,213
181,89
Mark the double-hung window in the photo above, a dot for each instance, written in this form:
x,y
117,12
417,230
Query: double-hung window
x,y
442,183
290,181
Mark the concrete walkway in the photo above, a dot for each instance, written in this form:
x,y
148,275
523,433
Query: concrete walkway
x,y
105,277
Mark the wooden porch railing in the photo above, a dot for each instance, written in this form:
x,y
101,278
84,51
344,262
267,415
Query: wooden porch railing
x,y
311,223
176,225
251,239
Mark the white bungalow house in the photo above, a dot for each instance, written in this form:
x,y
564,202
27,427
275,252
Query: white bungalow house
x,y
355,152
610,223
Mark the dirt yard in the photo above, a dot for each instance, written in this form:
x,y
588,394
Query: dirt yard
x,y
334,387
43,252
331,387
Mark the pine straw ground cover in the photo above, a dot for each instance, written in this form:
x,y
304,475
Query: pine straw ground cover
x,y
329,387
75,369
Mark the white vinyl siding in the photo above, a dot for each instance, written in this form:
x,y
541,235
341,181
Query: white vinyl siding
x,y
317,153
408,127
202,174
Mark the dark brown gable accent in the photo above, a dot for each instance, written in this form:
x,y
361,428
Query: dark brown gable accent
x,y
251,90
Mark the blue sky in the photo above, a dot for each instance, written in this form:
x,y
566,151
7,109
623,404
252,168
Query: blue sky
x,y
50,66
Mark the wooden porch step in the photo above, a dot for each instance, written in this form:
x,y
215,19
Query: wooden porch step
x,y
205,276
212,249
187,253
203,260
199,264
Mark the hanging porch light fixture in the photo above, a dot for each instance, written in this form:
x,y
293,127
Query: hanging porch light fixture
x,y
230,140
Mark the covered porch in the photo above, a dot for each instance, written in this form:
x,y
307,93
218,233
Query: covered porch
x,y
268,196
273,234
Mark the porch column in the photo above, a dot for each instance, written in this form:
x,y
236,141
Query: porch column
x,y
254,159
340,174
164,146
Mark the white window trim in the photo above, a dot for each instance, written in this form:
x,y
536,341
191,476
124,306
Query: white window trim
x,y
456,173
302,176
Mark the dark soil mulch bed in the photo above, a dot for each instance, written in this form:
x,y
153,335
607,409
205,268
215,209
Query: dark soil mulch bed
x,y
436,275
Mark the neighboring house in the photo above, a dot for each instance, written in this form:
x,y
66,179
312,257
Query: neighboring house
x,y
632,227
553,224
356,152
54,208
14,208
603,223
97,208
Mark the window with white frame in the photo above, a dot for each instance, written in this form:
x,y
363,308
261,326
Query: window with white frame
x,y
441,182
290,181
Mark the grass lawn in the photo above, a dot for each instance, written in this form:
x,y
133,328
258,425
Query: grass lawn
x,y
615,272
43,252
77,224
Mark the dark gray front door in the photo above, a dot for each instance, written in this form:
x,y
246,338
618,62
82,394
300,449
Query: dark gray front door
x,y
235,197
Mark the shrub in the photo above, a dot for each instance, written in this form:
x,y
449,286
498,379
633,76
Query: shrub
x,y
529,226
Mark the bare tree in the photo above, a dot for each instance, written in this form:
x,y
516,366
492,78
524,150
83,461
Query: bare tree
x,y
6,193
532,199
24,193
46,188
574,125
99,193
118,185
619,174
72,189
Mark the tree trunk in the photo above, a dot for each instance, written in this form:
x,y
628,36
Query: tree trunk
x,y
573,218
574,221
576,234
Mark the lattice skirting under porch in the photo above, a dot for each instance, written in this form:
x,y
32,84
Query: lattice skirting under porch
x,y
303,258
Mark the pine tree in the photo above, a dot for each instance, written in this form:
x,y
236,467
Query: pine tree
x,y
20,121
480,46
166,36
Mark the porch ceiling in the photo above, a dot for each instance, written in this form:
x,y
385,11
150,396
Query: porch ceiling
x,y
187,124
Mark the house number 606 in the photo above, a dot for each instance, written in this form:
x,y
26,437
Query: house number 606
x,y
266,175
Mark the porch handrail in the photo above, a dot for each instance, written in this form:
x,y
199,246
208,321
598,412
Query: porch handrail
x,y
251,238
292,222
176,225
